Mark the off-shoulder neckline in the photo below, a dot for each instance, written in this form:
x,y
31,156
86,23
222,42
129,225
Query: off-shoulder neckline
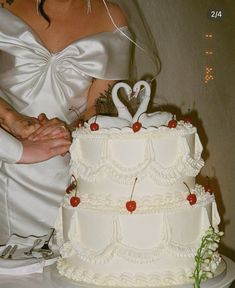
x,y
37,38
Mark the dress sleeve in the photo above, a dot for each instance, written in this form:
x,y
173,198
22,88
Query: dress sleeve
x,y
10,148
118,56
103,56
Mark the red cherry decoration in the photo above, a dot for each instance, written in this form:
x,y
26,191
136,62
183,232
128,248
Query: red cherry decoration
x,y
94,126
72,185
208,188
187,118
131,204
172,123
74,201
136,126
192,198
70,188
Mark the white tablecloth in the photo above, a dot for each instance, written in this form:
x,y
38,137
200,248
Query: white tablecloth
x,y
50,278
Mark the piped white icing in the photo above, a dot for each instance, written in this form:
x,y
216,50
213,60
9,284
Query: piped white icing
x,y
108,165
166,278
170,201
103,243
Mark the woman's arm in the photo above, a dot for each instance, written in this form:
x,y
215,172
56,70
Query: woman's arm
x,y
53,128
20,126
97,88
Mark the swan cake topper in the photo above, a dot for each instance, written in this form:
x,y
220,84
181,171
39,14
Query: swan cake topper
x,y
124,117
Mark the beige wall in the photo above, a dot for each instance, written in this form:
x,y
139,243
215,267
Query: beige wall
x,y
179,27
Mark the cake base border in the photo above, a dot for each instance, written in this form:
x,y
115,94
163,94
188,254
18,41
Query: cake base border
x,y
223,280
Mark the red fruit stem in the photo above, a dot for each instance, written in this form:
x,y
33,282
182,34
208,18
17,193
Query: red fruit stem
x,y
140,115
187,187
75,183
133,188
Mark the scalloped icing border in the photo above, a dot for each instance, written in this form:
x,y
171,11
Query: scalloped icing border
x,y
184,164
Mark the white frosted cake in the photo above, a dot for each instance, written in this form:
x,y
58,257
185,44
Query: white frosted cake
x,y
138,219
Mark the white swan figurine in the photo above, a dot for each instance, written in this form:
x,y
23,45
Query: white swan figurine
x,y
155,119
124,118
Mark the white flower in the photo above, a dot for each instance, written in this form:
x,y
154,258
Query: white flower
x,y
210,231
206,268
206,261
213,246
209,275
210,252
213,266
216,258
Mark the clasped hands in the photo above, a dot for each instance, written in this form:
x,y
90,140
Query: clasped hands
x,y
42,138
43,128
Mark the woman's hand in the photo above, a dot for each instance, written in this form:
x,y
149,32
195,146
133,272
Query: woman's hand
x,y
50,129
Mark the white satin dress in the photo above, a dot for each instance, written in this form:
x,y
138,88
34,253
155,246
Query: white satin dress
x,y
33,80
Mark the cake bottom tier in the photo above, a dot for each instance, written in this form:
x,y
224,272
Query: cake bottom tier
x,y
134,250
69,268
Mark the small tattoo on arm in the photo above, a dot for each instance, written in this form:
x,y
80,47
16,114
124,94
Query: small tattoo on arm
x,y
10,1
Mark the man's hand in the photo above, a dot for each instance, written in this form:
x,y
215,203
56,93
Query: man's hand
x,y
41,150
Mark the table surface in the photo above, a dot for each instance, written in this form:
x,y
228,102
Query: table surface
x,y
50,278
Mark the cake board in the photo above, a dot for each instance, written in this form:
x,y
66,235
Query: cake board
x,y
224,280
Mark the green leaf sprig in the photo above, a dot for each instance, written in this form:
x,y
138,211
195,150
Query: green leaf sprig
x,y
207,258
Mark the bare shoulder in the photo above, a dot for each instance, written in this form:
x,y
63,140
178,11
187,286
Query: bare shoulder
x,y
115,12
21,8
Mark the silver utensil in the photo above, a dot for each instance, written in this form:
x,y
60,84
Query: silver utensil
x,y
12,251
6,251
35,244
45,249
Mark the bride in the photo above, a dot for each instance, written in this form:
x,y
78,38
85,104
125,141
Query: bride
x,y
54,55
